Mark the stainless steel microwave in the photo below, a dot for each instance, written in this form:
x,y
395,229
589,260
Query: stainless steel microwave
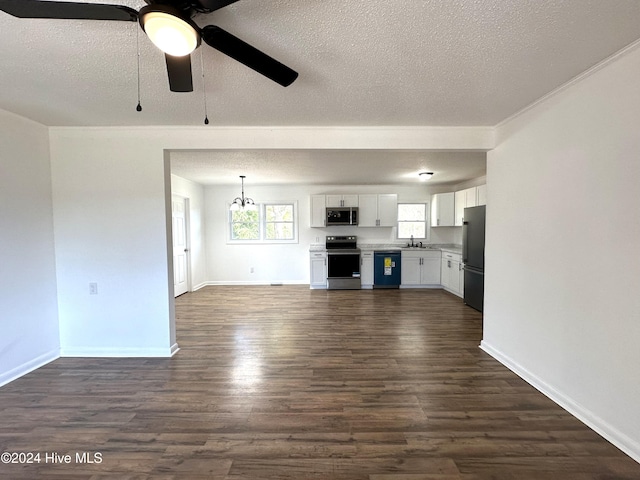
x,y
342,216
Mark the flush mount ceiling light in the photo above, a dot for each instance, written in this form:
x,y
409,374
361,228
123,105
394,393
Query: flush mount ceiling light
x,y
167,28
424,176
242,203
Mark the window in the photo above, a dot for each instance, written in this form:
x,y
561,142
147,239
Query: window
x,y
269,223
412,220
279,222
245,225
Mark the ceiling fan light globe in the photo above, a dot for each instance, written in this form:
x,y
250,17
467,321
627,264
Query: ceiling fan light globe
x,y
170,34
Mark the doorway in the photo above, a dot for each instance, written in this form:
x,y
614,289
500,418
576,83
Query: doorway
x,y
180,239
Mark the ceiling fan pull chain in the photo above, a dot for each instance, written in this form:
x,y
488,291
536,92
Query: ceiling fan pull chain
x,y
204,90
139,107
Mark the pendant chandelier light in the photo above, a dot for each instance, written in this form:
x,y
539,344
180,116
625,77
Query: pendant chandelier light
x,y
242,203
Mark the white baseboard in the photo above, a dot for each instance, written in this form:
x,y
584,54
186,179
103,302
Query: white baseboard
x,y
590,419
119,352
439,287
29,366
245,283
199,286
457,294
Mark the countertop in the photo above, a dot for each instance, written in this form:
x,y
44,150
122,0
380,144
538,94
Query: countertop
x,y
453,248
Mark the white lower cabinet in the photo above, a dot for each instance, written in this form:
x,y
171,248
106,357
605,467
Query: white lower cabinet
x,y
420,268
318,269
366,269
452,274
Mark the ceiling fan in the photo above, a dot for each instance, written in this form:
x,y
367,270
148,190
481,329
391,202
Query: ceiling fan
x,y
169,25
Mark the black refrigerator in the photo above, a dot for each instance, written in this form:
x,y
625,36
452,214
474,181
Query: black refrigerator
x,y
473,256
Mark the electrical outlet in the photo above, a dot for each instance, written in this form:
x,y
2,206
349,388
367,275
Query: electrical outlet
x,y
93,288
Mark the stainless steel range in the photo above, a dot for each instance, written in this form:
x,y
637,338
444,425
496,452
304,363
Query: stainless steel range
x,y
343,263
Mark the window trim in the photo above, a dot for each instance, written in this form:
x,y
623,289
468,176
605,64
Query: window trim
x,y
262,223
230,224
426,221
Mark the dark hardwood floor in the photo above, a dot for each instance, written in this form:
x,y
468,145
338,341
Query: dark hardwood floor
x,y
290,383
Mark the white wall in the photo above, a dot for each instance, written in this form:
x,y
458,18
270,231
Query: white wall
x,y
562,301
197,258
111,228
110,190
289,263
28,315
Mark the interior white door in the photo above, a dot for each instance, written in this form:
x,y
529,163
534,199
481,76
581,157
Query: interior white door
x,y
180,246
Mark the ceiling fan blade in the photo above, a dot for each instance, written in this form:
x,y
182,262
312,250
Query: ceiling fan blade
x,y
250,56
179,70
68,10
213,5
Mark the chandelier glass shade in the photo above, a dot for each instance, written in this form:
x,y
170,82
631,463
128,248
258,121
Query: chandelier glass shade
x,y
242,203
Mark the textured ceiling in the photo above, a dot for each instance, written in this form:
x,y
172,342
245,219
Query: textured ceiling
x,y
361,63
338,167
374,62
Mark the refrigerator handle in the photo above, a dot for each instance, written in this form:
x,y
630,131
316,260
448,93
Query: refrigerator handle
x,y
465,242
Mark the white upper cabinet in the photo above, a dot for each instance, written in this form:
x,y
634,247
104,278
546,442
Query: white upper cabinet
x,y
318,211
460,202
469,197
342,200
443,210
387,210
378,210
368,210
482,195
